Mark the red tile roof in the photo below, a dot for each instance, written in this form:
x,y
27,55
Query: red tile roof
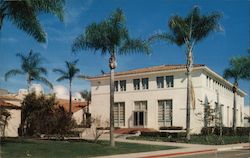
x,y
6,105
9,97
76,105
150,69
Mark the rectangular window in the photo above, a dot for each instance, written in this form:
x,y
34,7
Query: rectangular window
x,y
116,86
123,85
228,123
145,83
136,84
140,113
160,82
170,81
119,114
165,112
207,81
222,114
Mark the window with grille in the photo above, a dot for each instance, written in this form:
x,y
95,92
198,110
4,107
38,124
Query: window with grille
x,y
160,82
123,85
140,113
169,81
116,86
136,84
165,112
119,114
145,83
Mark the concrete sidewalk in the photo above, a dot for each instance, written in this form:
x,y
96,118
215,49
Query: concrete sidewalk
x,y
184,149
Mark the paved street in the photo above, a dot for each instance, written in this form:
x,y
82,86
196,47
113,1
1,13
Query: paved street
x,y
224,154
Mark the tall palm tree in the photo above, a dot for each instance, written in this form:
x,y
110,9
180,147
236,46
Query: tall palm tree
x,y
23,14
188,31
69,74
31,67
87,96
238,69
110,37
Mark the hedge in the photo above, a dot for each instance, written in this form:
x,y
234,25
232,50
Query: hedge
x,y
171,128
227,131
164,134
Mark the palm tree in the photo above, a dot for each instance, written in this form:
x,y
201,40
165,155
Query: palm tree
x,y
87,96
4,117
188,31
110,37
238,69
31,67
69,74
23,14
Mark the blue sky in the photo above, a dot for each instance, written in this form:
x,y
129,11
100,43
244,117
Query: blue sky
x,y
143,19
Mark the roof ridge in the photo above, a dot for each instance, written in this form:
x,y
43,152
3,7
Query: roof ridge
x,y
151,68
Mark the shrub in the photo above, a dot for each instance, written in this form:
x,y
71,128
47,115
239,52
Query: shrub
x,y
151,134
164,134
226,131
243,131
41,115
171,128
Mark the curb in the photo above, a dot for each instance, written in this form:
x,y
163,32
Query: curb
x,y
233,148
198,151
180,153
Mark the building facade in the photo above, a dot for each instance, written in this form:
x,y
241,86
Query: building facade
x,y
155,97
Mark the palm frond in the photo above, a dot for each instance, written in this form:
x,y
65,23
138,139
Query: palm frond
x,y
62,78
52,6
62,72
13,72
194,27
86,95
24,14
179,29
94,38
42,70
24,17
228,73
135,46
162,37
44,81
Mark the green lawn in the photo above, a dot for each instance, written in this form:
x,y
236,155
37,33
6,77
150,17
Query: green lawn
x,y
69,149
198,139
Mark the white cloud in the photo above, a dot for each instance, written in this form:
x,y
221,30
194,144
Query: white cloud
x,y
77,95
37,88
61,92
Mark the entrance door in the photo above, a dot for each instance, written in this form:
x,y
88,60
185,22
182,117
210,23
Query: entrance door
x,y
140,113
139,118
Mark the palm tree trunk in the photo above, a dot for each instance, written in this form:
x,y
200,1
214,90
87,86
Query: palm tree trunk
x,y
1,17
189,83
70,97
234,107
29,84
112,66
4,126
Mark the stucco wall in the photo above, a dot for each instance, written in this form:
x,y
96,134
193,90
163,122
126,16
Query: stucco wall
x,y
14,121
11,130
100,98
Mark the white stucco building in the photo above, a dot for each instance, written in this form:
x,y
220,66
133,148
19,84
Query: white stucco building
x,y
11,103
156,96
